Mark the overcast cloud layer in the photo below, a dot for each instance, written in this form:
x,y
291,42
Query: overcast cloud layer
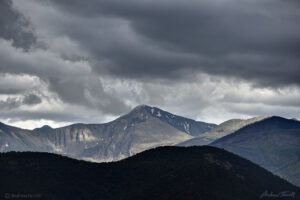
x,y
64,61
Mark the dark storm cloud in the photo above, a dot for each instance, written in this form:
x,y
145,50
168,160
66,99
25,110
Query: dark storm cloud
x,y
14,26
31,99
71,81
88,92
91,60
253,40
66,77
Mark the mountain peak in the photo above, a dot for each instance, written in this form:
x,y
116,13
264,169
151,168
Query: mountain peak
x,y
191,127
149,110
279,122
43,128
153,111
266,126
139,110
46,126
141,107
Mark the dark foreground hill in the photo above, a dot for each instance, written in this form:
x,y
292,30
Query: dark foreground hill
x,y
161,173
273,143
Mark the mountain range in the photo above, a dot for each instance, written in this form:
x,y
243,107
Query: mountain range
x,y
143,128
271,142
162,173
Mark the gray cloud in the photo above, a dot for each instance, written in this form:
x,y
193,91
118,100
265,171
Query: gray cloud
x,y
66,74
18,84
15,27
31,99
253,40
71,81
210,60
9,103
15,102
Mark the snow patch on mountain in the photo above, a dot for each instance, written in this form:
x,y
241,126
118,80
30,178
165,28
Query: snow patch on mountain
x,y
152,110
186,127
158,114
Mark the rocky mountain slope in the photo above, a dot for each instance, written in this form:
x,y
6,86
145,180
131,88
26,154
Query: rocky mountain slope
x,y
273,143
143,128
163,173
189,126
16,139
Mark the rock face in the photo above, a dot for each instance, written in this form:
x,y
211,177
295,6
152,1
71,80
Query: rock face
x,y
273,143
16,139
143,128
189,126
163,173
220,131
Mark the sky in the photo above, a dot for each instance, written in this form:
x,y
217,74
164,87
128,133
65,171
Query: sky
x,y
70,61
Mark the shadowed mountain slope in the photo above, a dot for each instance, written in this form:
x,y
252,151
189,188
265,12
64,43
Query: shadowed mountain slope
x,y
220,131
273,143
